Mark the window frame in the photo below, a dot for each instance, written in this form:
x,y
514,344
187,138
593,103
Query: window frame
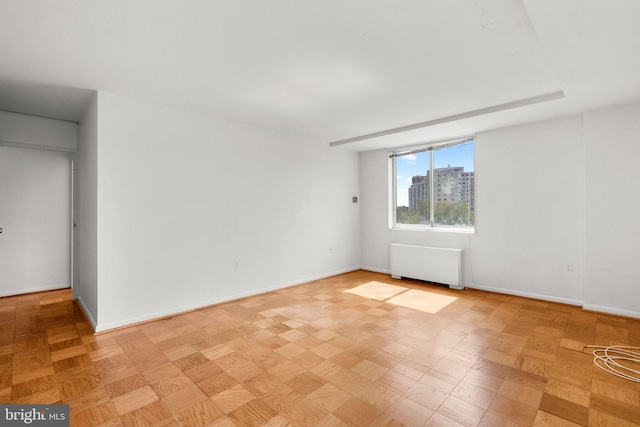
x,y
393,185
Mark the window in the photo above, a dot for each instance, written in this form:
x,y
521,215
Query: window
x,y
438,175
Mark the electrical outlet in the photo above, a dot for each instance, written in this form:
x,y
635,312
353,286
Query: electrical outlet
x,y
236,265
568,268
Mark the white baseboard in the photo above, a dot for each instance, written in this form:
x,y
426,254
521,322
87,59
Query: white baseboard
x,y
610,310
202,304
87,313
317,277
32,290
375,270
533,295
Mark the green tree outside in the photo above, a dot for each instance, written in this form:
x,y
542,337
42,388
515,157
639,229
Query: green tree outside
x,y
446,213
453,213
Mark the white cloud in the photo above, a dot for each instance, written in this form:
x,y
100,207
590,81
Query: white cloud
x,y
410,158
409,179
399,176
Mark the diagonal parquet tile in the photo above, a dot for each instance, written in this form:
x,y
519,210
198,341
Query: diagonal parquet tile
x,y
336,351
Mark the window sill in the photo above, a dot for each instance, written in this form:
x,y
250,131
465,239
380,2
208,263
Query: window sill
x,y
438,229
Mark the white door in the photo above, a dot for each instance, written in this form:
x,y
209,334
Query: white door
x,y
35,218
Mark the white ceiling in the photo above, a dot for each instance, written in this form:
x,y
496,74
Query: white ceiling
x,y
326,70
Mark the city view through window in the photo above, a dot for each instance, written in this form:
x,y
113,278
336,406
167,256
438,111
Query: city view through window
x,y
453,196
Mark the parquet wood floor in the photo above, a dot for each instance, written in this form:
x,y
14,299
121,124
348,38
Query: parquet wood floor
x,y
358,349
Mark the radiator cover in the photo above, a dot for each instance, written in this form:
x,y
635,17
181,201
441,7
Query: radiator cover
x,y
437,265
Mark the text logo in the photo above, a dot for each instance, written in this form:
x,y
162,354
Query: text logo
x,y
34,415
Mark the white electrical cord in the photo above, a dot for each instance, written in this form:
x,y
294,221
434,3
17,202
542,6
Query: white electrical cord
x,y
612,359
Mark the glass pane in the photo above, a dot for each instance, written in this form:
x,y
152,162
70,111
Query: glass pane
x,y
412,189
454,190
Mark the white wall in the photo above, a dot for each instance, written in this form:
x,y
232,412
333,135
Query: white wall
x,y
612,147
530,212
25,130
86,256
182,197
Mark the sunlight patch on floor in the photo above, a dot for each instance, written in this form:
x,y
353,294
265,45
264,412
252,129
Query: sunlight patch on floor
x,y
377,290
416,299
428,302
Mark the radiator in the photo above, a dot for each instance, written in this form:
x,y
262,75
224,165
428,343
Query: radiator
x,y
437,265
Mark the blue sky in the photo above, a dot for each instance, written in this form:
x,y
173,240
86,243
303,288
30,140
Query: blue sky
x,y
418,164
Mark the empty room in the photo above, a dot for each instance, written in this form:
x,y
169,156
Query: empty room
x,y
356,213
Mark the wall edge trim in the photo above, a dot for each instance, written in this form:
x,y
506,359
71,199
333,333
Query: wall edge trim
x,y
550,298
87,313
34,290
376,270
612,311
99,328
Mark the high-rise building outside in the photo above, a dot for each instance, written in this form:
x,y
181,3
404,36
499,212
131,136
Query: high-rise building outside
x,y
452,184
